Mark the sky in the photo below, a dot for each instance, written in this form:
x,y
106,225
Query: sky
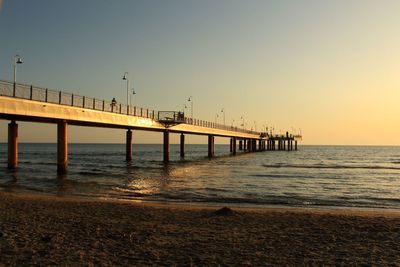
x,y
329,68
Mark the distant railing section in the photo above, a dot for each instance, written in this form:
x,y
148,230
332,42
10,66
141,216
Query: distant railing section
x,y
35,93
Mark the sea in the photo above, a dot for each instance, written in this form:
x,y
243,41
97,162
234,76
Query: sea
x,y
313,176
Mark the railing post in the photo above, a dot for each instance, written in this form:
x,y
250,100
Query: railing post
x,y
14,89
31,93
120,108
72,100
103,105
83,104
141,112
147,111
134,111
45,98
59,97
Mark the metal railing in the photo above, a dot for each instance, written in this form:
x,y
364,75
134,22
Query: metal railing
x,y
35,93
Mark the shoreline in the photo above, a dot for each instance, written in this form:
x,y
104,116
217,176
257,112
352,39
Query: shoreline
x,y
51,230
339,210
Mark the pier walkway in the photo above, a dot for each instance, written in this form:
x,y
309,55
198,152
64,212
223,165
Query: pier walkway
x,y
20,102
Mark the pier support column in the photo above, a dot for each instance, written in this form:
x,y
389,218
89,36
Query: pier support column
x,y
129,145
291,145
295,145
245,144
259,145
12,145
231,145
62,146
182,145
210,146
240,145
166,146
249,145
234,145
284,145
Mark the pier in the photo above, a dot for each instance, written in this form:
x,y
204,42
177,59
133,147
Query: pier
x,y
20,102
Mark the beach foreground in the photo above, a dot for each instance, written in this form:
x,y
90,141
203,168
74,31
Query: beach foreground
x,y
42,230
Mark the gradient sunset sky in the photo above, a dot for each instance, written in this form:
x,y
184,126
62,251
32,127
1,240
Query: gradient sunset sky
x,y
331,68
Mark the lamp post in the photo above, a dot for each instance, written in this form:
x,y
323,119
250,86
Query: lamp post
x,y
223,111
216,117
191,106
125,78
184,108
17,60
242,121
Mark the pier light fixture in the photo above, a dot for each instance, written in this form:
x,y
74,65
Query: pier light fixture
x,y
125,78
242,118
223,112
17,60
130,96
190,99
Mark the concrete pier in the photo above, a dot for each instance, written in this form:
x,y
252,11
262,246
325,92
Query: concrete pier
x,y
166,146
12,145
295,145
231,145
211,146
62,146
182,146
129,145
234,145
240,145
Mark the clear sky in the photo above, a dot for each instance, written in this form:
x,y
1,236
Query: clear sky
x,y
331,68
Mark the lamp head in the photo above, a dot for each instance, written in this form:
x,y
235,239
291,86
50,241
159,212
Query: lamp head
x,y
18,59
125,77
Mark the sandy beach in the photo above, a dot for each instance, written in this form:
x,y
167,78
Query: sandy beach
x,y
48,230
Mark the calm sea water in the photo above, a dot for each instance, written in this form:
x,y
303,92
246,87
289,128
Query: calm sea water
x,y
340,176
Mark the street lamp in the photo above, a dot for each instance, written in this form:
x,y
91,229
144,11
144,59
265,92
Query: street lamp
x,y
184,107
223,111
191,106
130,96
216,117
17,60
125,78
242,121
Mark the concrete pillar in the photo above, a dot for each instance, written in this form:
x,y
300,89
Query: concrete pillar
x,y
210,146
234,145
284,144
295,145
166,146
255,145
259,145
12,145
291,145
231,145
129,145
245,144
249,145
240,145
182,145
62,146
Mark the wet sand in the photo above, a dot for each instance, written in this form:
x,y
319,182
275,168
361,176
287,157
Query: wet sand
x,y
47,230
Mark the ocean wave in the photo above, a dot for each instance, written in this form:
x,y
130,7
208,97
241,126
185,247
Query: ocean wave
x,y
329,167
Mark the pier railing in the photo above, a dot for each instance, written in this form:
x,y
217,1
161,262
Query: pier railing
x,y
30,92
